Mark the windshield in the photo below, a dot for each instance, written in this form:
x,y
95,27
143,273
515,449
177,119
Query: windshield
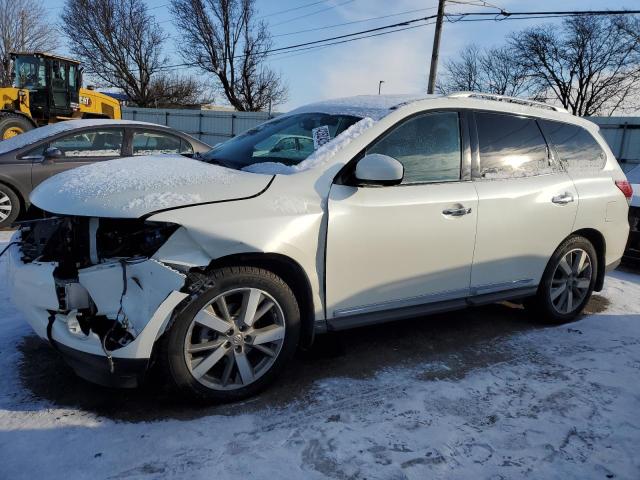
x,y
29,72
287,140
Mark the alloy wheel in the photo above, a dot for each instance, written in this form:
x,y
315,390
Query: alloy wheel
x,y
5,206
235,339
571,281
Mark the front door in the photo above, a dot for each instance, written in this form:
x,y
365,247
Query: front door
x,y
400,246
527,203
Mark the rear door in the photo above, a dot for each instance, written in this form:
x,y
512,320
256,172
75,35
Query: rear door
x,y
78,148
527,202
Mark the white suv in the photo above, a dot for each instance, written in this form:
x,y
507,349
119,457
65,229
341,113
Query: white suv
x,y
336,215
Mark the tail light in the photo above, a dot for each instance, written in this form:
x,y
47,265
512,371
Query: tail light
x,y
626,188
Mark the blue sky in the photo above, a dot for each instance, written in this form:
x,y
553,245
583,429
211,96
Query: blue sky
x,y
400,59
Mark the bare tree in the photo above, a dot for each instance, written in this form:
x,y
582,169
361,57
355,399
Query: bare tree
x,y
591,65
224,38
121,44
23,27
490,71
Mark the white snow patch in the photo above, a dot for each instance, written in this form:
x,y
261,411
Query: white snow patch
x,y
158,172
158,201
40,133
372,106
322,155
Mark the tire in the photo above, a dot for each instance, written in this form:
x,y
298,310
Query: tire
x,y
12,124
9,206
555,304
207,363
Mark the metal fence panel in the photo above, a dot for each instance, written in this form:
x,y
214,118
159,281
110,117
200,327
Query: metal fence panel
x,y
623,136
210,126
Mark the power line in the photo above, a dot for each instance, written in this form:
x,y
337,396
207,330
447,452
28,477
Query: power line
x,y
353,22
293,9
340,39
313,13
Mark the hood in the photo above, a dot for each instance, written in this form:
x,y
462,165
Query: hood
x,y
136,186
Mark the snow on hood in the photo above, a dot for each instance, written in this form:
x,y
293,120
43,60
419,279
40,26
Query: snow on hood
x,y
27,138
325,153
372,106
135,186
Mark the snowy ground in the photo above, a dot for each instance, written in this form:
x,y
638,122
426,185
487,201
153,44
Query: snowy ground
x,y
475,394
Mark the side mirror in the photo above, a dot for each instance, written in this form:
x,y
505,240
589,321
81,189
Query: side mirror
x,y
378,169
51,154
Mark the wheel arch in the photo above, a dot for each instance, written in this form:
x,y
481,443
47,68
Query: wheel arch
x,y
293,275
599,243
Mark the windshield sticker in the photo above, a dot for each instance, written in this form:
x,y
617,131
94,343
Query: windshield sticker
x,y
321,136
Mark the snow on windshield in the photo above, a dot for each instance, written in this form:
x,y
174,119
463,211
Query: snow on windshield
x,y
320,156
37,134
142,174
372,106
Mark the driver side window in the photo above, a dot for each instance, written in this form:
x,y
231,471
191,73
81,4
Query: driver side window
x,y
428,146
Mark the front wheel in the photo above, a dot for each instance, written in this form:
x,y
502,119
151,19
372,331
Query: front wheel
x,y
9,206
567,283
235,337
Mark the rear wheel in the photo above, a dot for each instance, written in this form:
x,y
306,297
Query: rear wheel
x,y
567,283
9,206
235,337
12,124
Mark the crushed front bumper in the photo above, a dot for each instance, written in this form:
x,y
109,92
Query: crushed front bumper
x,y
152,292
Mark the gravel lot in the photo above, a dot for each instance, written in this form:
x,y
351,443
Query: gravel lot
x,y
482,393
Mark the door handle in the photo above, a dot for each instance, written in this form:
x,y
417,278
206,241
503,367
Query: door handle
x,y
456,212
563,199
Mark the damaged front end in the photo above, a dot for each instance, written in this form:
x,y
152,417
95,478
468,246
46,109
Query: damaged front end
x,y
92,288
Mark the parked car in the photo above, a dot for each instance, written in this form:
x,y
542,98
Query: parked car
x,y
632,252
30,158
216,272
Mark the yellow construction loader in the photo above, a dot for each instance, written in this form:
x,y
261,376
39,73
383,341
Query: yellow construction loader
x,y
48,89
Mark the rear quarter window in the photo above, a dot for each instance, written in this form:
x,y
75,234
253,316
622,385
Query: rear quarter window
x,y
576,148
510,147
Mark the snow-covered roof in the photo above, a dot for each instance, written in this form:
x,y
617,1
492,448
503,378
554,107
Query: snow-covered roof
x,y
37,134
372,106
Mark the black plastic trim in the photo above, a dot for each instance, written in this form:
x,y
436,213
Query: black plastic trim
x,y
127,372
383,316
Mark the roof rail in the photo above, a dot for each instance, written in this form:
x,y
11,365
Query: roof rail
x,y
504,98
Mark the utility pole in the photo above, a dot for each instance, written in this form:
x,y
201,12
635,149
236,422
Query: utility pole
x,y
436,48
380,86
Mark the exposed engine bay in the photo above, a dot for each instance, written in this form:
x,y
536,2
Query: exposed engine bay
x,y
107,283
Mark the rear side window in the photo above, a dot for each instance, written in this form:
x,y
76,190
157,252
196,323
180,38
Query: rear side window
x,y
576,147
427,145
510,146
154,143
